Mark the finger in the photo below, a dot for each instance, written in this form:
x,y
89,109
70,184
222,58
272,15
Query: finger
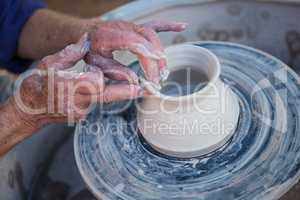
x,y
151,69
82,83
119,25
67,57
147,51
112,93
112,40
78,106
90,83
113,69
152,37
163,26
121,74
121,92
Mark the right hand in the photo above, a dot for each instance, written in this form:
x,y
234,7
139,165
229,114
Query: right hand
x,y
142,40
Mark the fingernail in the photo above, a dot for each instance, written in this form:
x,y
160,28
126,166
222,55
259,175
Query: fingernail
x,y
164,74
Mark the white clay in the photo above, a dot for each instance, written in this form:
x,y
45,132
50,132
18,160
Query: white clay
x,y
195,124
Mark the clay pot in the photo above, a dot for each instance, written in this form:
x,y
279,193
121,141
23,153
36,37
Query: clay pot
x,y
194,113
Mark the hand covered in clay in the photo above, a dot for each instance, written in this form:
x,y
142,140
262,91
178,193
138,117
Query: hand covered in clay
x,y
142,40
54,93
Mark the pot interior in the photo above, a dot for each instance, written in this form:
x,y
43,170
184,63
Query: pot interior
x,y
184,81
191,69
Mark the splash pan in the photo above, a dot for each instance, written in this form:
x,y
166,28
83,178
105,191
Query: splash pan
x,y
261,160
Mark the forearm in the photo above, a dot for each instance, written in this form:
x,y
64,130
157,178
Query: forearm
x,y
47,32
13,128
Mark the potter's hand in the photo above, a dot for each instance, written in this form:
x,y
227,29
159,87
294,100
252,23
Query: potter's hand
x,y
141,40
59,95
51,93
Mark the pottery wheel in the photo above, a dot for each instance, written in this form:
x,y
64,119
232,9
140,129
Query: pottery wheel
x,y
261,161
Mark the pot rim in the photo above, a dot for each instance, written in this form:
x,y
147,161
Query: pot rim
x,y
155,91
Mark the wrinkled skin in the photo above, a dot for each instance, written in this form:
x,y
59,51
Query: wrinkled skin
x,y
142,40
54,93
72,92
53,86
97,49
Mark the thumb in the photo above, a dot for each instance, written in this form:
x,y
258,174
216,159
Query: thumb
x,y
67,57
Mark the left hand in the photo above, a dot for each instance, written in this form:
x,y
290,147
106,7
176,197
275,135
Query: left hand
x,y
53,93
142,40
